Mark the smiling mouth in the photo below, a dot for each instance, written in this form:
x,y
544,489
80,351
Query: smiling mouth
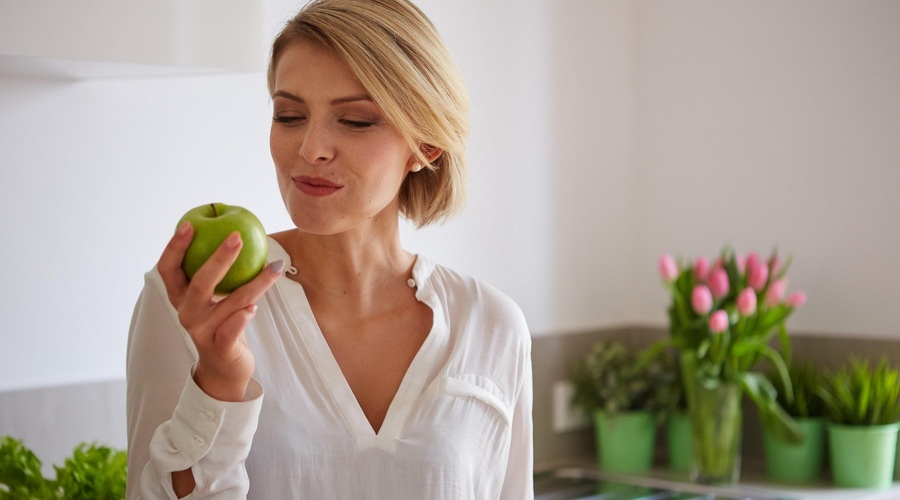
x,y
315,186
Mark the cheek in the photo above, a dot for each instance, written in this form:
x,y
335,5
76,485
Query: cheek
x,y
391,170
276,147
279,152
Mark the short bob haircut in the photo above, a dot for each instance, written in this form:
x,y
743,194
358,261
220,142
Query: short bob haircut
x,y
398,56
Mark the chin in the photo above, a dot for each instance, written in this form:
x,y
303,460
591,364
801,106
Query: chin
x,y
308,221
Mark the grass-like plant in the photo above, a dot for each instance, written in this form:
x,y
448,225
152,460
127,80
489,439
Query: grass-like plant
x,y
806,380
861,394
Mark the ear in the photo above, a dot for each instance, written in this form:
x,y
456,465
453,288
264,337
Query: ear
x,y
430,152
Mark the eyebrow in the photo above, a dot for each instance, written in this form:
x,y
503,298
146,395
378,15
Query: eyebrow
x,y
339,100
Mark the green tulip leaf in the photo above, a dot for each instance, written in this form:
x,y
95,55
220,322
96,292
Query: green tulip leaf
x,y
772,415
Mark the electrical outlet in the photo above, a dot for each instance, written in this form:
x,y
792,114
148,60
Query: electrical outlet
x,y
565,416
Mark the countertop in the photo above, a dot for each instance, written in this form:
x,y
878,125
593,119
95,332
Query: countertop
x,y
752,483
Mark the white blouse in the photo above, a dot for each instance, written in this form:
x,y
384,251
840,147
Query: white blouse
x,y
459,426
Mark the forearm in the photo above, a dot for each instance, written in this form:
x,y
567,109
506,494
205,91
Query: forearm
x,y
203,448
168,414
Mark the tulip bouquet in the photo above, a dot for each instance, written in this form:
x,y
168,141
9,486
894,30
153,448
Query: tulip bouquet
x,y
728,312
722,318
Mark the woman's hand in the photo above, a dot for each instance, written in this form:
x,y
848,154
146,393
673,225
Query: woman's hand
x,y
225,362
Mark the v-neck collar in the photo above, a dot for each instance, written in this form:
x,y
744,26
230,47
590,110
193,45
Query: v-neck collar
x,y
417,375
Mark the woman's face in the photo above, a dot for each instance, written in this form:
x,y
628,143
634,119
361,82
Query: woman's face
x,y
339,162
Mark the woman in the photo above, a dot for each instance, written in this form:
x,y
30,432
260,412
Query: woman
x,y
349,368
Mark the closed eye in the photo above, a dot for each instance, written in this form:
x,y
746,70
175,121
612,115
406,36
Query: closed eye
x,y
358,124
287,120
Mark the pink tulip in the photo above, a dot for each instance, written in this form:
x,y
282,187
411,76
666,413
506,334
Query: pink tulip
x,y
718,321
718,263
775,293
746,302
701,269
751,262
701,299
796,299
718,283
668,268
757,277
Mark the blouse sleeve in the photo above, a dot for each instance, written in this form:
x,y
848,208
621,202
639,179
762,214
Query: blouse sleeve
x,y
518,484
172,424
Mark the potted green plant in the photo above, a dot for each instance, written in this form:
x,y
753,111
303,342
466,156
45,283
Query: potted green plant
x,y
93,472
798,462
863,405
625,393
722,318
679,454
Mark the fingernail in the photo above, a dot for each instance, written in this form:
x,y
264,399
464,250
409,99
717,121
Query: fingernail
x,y
233,240
183,228
277,266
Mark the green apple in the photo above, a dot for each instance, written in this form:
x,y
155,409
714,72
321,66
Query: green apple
x,y
213,223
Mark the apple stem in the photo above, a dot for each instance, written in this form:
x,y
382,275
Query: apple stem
x,y
213,205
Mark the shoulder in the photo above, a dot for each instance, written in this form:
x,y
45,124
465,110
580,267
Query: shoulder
x,y
474,304
488,336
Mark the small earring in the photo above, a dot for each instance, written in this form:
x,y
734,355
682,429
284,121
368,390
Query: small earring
x,y
416,167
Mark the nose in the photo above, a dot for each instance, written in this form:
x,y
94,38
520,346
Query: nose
x,y
317,144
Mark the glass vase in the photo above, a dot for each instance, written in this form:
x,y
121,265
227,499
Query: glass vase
x,y
715,411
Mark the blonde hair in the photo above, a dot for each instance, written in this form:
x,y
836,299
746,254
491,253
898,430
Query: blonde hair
x,y
398,56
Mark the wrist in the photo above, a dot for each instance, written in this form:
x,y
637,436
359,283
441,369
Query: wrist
x,y
221,390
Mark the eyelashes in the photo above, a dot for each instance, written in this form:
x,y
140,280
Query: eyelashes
x,y
357,124
353,124
286,120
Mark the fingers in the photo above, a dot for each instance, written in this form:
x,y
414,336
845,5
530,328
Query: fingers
x,y
197,301
248,294
204,281
224,342
225,365
169,265
231,329
203,317
203,284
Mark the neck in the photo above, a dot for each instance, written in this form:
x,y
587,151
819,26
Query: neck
x,y
349,266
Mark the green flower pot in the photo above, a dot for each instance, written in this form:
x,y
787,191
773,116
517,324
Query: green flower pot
x,y
678,442
862,456
800,462
897,462
625,441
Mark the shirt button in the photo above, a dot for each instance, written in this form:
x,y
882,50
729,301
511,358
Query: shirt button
x,y
208,415
199,441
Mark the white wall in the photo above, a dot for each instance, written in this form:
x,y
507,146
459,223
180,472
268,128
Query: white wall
x,y
773,123
550,153
604,133
94,177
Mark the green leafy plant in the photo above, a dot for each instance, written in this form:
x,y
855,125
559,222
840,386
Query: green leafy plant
x,y
614,378
93,472
805,381
670,383
861,394
20,473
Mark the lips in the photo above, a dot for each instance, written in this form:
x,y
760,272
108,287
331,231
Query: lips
x,y
315,186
